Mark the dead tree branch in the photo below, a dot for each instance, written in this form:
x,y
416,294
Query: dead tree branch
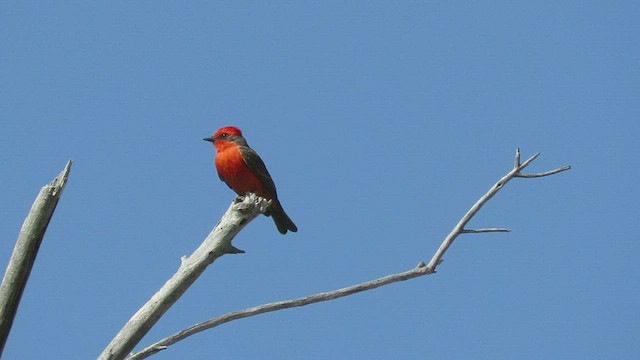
x,y
26,250
420,270
477,231
217,243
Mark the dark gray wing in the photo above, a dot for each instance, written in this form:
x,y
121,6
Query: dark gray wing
x,y
255,163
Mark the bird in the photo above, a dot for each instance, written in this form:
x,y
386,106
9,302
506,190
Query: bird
x,y
242,169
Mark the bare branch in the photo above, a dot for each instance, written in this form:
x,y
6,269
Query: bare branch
x,y
325,296
476,231
546,173
420,270
527,162
459,228
218,243
26,250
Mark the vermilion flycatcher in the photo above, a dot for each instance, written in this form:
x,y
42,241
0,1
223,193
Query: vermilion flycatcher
x,y
243,171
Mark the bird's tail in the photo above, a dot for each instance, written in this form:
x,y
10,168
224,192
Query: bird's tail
x,y
282,220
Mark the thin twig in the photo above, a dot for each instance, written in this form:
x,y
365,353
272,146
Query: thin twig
x,y
420,270
477,231
546,173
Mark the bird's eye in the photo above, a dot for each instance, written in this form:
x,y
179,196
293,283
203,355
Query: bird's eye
x,y
224,135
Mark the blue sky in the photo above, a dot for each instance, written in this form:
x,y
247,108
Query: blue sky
x,y
381,123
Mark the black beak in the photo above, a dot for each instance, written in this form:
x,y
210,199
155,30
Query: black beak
x,y
208,139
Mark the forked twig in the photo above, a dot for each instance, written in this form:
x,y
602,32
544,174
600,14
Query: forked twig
x,y
420,270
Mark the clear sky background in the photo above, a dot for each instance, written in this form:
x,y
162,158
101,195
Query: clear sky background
x,y
381,123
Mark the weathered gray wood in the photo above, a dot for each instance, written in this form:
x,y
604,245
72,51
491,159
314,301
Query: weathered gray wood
x,y
420,270
217,243
26,250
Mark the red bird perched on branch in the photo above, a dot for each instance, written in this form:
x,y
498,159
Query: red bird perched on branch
x,y
243,171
